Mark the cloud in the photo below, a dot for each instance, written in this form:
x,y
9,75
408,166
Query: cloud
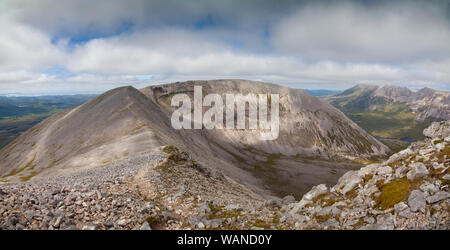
x,y
22,47
98,45
390,33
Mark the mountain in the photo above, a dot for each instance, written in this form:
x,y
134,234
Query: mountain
x,y
391,111
426,103
166,188
316,142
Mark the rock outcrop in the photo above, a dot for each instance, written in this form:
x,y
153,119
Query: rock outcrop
x,y
408,191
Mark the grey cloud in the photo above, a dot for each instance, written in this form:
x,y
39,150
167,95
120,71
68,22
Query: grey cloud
x,y
352,32
297,43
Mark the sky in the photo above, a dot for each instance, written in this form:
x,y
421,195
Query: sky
x,y
84,46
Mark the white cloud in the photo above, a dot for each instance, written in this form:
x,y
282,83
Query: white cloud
x,y
327,47
22,47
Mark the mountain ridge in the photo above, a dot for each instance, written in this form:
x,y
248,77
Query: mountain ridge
x,y
125,121
392,111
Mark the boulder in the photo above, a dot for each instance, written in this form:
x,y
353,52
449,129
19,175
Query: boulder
x,y
429,188
400,207
416,201
348,181
386,170
418,170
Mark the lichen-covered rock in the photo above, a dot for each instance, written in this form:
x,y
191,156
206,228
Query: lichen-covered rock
x,y
348,181
418,170
438,130
416,201
442,195
315,191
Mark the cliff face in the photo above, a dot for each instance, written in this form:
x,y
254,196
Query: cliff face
x,y
308,126
408,191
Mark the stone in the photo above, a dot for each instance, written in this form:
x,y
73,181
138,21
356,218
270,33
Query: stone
x,y
272,203
429,188
369,220
88,227
288,199
325,211
440,146
384,171
200,225
315,191
203,208
441,195
122,222
300,218
108,224
331,223
400,207
234,207
437,130
145,226
29,214
416,201
215,224
406,214
438,166
385,222
400,172
399,155
335,210
299,206
71,227
57,222
369,169
418,170
348,181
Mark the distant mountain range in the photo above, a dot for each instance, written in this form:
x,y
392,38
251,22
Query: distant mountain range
x,y
321,92
392,111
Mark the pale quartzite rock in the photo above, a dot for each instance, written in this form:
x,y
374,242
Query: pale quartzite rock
x,y
418,170
416,201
